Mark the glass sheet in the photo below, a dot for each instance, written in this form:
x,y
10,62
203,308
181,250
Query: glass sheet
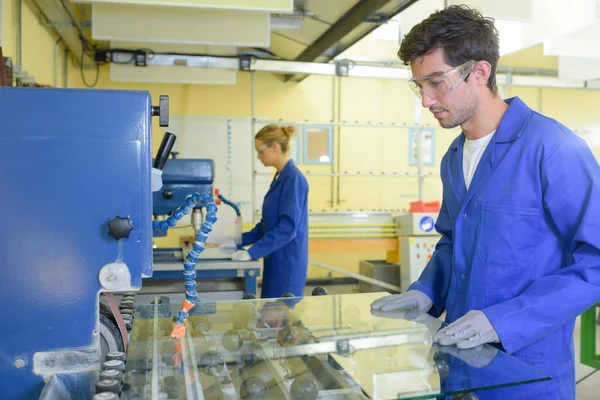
x,y
330,347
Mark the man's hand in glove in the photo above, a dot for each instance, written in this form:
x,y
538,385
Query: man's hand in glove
x,y
403,301
469,331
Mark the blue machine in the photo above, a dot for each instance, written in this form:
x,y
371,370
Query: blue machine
x,y
181,177
74,161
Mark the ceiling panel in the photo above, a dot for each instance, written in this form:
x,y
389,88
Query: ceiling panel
x,y
254,5
178,25
285,48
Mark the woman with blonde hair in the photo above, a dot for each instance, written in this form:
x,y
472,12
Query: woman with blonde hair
x,y
281,237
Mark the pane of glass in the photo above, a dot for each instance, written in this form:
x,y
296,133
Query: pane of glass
x,y
317,145
332,346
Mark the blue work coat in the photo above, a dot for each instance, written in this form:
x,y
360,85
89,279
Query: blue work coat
x,y
281,237
522,244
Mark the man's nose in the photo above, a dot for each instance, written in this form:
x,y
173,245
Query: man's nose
x,y
427,101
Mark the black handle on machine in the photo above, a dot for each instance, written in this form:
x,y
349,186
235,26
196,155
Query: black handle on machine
x,y
162,111
165,149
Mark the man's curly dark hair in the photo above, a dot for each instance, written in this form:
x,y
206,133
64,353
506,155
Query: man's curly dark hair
x,y
461,32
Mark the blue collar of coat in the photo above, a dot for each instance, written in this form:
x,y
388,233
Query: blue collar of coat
x,y
287,169
285,172
511,126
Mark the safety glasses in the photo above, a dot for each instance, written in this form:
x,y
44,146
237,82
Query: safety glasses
x,y
262,148
441,83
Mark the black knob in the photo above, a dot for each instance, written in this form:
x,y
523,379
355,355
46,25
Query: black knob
x,y
162,111
319,291
120,228
249,296
168,194
288,294
164,150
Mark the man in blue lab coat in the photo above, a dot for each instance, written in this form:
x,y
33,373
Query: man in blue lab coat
x,y
519,256
281,237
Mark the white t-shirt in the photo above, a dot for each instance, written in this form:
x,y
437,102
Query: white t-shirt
x,y
472,152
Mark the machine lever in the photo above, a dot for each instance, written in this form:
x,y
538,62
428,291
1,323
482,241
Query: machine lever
x,y
165,149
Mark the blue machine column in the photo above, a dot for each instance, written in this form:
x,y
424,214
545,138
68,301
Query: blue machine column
x,y
77,220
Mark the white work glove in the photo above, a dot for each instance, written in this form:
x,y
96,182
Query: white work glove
x,y
241,255
471,330
406,300
229,247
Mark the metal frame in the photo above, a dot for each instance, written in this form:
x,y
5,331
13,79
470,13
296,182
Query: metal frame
x,y
589,352
299,159
0,24
249,276
356,174
66,24
357,124
412,135
329,130
329,69
19,32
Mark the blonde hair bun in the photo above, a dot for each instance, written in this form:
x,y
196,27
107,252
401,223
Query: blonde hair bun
x,y
289,131
276,134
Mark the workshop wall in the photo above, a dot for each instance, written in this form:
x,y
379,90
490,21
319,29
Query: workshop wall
x,y
355,149
38,50
317,98
361,149
311,100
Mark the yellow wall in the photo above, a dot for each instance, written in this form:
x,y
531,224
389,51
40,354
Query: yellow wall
x,y
8,19
37,43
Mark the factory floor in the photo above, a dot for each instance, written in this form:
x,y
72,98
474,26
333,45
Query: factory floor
x,y
586,390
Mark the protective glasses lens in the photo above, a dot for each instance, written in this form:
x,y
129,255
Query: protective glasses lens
x,y
263,148
440,84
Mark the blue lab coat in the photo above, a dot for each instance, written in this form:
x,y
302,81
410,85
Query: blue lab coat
x,y
522,244
281,237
